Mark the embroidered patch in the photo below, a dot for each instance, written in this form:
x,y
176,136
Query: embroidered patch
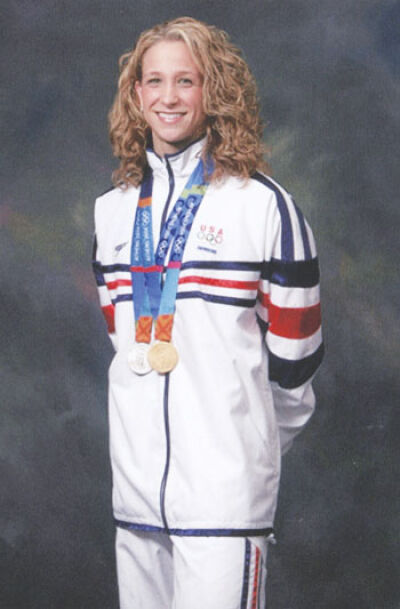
x,y
210,235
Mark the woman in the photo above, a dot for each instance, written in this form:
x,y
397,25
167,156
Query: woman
x,y
208,279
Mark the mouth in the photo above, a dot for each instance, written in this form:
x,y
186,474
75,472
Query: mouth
x,y
170,117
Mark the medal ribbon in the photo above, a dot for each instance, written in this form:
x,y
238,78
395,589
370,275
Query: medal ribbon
x,y
149,299
141,261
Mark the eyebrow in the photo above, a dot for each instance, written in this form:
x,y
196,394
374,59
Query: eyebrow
x,y
179,73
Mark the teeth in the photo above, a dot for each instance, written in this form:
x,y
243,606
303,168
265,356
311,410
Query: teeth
x,y
169,117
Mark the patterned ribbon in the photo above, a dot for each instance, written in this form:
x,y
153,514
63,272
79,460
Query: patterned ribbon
x,y
150,300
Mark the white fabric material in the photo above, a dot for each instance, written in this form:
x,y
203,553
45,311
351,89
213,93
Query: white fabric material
x,y
156,571
216,464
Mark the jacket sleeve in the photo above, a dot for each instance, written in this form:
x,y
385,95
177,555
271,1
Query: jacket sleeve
x,y
107,307
289,313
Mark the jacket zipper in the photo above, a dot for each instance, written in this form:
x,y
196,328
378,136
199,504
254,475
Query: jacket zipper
x,y
171,183
167,459
166,386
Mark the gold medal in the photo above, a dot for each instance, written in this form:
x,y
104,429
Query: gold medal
x,y
162,357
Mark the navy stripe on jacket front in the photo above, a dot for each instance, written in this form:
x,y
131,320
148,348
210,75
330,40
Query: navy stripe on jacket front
x,y
227,300
227,265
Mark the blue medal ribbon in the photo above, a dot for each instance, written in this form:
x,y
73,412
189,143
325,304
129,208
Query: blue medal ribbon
x,y
149,299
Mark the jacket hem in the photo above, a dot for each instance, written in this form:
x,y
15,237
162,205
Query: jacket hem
x,y
149,528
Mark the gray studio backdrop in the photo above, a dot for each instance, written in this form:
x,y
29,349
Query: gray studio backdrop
x,y
329,88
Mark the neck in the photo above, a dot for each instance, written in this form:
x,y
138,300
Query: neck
x,y
165,149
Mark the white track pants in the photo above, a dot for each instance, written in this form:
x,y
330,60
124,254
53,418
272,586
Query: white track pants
x,y
156,571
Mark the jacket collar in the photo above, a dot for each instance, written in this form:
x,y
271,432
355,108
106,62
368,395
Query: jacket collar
x,y
181,163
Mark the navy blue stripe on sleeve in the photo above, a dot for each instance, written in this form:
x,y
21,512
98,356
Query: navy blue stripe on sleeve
x,y
290,374
98,274
304,234
96,265
287,243
296,274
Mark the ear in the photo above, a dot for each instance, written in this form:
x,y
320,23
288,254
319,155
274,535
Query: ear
x,y
138,89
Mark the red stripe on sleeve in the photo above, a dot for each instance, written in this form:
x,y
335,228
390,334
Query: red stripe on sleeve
x,y
294,323
108,313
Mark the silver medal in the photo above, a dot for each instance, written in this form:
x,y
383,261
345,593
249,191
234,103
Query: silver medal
x,y
137,358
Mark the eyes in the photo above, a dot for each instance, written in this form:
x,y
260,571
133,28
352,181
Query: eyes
x,y
182,81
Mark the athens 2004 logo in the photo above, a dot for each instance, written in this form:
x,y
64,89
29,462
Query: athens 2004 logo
x,y
210,235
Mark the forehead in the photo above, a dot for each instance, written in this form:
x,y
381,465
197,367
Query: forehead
x,y
168,55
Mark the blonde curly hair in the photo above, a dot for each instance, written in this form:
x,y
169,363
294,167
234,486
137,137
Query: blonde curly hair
x,y
233,124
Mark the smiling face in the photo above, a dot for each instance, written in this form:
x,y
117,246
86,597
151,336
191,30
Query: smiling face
x,y
170,93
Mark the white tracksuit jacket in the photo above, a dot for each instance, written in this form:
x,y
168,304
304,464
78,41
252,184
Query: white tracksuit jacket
x,y
197,452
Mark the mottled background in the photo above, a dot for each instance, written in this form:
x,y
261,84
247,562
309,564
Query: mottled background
x,y
329,86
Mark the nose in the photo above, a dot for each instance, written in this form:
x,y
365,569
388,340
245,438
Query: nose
x,y
169,94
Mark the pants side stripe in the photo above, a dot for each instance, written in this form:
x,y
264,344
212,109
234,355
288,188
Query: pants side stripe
x,y
246,575
254,601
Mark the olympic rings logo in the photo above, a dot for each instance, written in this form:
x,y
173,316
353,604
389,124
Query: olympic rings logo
x,y
211,238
